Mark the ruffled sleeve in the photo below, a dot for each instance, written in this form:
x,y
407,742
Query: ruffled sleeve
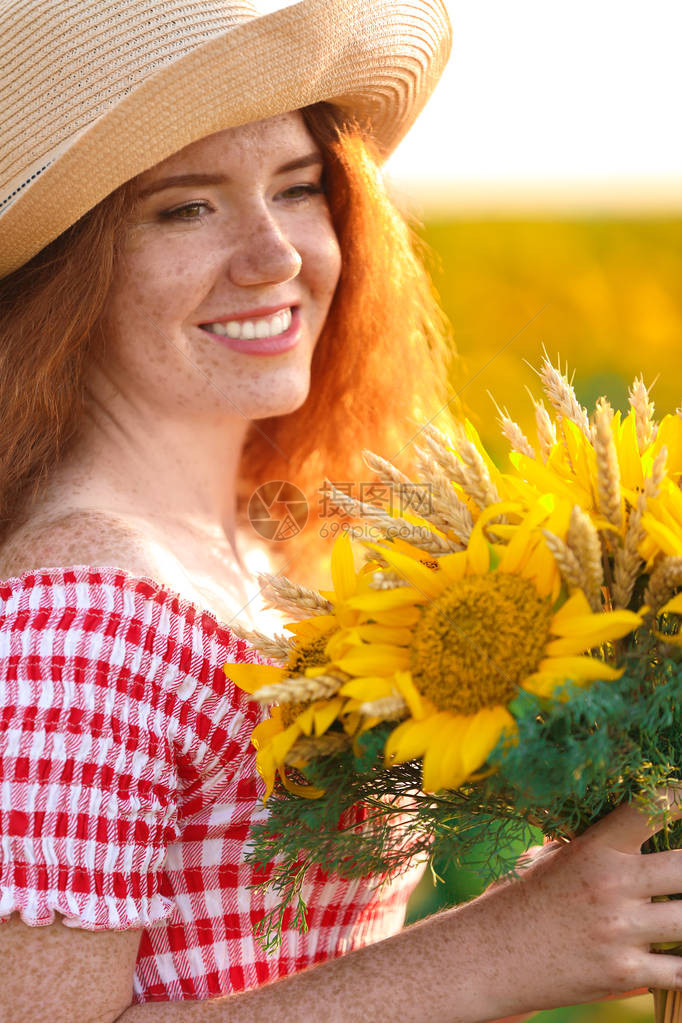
x,y
88,777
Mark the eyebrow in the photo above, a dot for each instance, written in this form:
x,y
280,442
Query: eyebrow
x,y
185,180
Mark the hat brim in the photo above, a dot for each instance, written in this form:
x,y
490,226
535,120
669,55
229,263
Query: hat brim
x,y
377,61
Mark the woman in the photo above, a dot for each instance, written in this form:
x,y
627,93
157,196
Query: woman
x,y
183,309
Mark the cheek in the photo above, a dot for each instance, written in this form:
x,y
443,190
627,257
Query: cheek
x,y
161,282
322,262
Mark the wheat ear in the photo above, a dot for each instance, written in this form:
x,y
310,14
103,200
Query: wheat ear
x,y
665,579
644,413
390,708
310,747
608,472
280,593
275,648
561,395
627,562
300,689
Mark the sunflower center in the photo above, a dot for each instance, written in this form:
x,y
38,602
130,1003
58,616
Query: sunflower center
x,y
308,655
475,644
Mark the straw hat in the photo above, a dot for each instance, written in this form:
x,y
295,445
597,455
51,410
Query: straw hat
x,y
93,92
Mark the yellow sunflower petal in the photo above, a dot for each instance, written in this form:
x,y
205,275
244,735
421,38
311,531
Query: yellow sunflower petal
x,y
267,769
307,791
344,577
311,628
265,731
374,659
576,605
282,743
412,697
384,634
411,738
577,668
250,677
665,538
583,634
386,600
399,617
607,624
452,771
673,606
425,580
432,773
368,689
482,735
326,714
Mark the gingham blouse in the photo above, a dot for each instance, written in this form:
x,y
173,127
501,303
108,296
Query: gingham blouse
x,y
128,787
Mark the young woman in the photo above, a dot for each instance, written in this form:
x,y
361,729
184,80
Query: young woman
x,y
204,288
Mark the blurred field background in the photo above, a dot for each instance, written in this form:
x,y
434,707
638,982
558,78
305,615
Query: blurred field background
x,y
604,294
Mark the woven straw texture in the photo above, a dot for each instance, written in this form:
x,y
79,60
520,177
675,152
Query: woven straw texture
x,y
93,93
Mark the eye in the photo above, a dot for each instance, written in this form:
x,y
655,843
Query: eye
x,y
188,211
300,193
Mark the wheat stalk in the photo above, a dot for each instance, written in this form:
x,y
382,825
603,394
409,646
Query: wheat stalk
x,y
567,562
665,579
583,539
644,413
561,395
300,689
627,561
512,431
390,708
608,472
469,471
448,513
544,427
309,747
280,593
275,648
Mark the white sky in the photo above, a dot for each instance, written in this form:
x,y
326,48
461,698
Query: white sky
x,y
548,97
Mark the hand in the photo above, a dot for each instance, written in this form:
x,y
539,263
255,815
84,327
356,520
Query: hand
x,y
578,923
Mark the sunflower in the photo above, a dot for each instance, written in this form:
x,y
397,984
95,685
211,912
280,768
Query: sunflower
x,y
306,688
487,626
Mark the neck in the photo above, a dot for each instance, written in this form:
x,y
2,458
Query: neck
x,y
179,474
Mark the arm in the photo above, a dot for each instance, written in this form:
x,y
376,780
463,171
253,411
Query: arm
x,y
576,926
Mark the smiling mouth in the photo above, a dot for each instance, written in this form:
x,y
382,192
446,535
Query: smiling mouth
x,y
248,330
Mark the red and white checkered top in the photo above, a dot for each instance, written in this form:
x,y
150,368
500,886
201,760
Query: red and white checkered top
x,y
128,787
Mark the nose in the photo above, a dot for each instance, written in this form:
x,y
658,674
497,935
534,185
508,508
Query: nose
x,y
263,253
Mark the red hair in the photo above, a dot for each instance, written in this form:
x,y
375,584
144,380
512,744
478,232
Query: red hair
x,y
380,366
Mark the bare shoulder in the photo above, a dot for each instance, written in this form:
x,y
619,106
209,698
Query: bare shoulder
x,y
83,537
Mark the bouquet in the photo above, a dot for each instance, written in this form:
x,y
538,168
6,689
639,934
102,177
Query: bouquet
x,y
506,658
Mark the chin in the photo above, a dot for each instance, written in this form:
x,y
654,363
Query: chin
x,y
283,398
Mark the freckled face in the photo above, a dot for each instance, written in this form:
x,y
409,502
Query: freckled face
x,y
243,245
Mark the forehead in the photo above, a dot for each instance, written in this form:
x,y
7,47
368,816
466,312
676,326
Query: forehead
x,y
258,141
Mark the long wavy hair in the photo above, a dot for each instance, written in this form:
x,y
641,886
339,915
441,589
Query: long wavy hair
x,y
380,367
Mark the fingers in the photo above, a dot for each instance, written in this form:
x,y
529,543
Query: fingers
x,y
659,922
658,874
661,971
628,827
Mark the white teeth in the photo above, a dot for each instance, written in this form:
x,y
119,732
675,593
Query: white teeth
x,y
247,330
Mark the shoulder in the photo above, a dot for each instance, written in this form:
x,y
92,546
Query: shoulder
x,y
83,537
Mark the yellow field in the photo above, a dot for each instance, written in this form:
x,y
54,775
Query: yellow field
x,y
605,295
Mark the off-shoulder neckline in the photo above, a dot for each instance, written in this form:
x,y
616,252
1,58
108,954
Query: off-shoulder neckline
x,y
132,578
